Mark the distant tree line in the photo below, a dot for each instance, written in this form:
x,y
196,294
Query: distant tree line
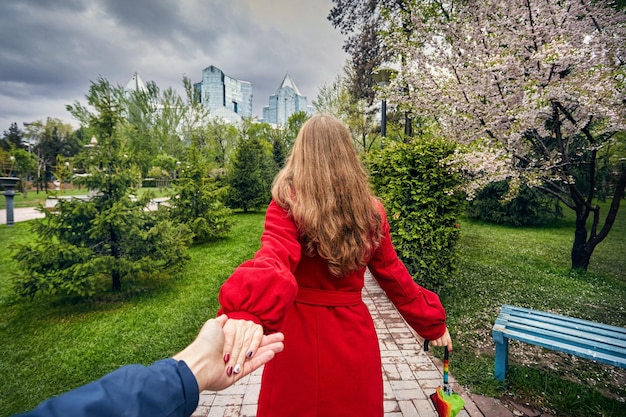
x,y
211,168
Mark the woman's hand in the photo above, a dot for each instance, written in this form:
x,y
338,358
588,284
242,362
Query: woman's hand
x,y
205,356
243,337
444,340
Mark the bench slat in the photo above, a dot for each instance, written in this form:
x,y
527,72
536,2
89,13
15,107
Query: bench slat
x,y
599,354
572,322
578,336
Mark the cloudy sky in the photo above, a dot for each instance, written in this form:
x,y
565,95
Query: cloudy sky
x,y
51,50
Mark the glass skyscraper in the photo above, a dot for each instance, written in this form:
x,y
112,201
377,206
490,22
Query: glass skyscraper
x,y
285,102
224,96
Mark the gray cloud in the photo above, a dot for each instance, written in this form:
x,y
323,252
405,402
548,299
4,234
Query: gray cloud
x,y
49,51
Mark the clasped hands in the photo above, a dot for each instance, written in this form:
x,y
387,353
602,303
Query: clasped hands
x,y
227,350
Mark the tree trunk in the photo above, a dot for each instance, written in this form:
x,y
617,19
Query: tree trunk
x,y
584,245
24,187
116,281
581,253
408,127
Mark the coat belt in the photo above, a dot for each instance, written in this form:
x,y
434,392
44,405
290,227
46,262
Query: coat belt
x,y
328,298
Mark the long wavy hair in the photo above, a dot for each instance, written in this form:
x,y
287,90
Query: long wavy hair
x,y
326,190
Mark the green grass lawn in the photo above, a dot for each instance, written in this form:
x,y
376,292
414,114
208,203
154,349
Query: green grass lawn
x,y
53,344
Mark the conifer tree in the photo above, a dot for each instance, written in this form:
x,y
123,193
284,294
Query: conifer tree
x,y
252,169
12,138
111,235
198,199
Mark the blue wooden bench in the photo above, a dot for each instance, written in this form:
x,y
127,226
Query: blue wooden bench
x,y
587,339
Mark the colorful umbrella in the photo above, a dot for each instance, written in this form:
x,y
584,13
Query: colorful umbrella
x,y
446,402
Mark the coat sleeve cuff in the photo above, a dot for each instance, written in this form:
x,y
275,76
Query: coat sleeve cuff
x,y
242,315
190,386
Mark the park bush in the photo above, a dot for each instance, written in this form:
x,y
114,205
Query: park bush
x,y
529,207
252,169
418,190
198,202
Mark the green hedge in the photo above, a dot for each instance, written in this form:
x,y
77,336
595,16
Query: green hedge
x,y
417,189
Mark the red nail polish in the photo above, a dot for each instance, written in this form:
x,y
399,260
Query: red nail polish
x,y
226,357
229,370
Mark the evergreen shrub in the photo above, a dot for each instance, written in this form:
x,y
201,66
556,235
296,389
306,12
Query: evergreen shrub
x,y
198,203
198,197
418,190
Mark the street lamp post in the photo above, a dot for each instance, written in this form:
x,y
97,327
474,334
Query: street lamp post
x,y
383,118
382,77
68,172
9,184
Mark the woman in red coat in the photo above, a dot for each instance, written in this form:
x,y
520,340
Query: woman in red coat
x,y
323,228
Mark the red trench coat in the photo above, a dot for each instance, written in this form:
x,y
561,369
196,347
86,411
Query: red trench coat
x,y
331,363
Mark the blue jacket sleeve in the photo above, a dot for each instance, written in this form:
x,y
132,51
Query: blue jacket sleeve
x,y
167,388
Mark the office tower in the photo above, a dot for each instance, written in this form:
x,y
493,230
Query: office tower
x,y
225,97
285,102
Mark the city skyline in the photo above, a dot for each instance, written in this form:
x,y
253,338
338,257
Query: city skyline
x,y
51,52
231,99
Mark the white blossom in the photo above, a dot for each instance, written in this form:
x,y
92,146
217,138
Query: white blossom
x,y
496,71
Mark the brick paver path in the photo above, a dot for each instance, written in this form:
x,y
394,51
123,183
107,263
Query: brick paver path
x,y
409,374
